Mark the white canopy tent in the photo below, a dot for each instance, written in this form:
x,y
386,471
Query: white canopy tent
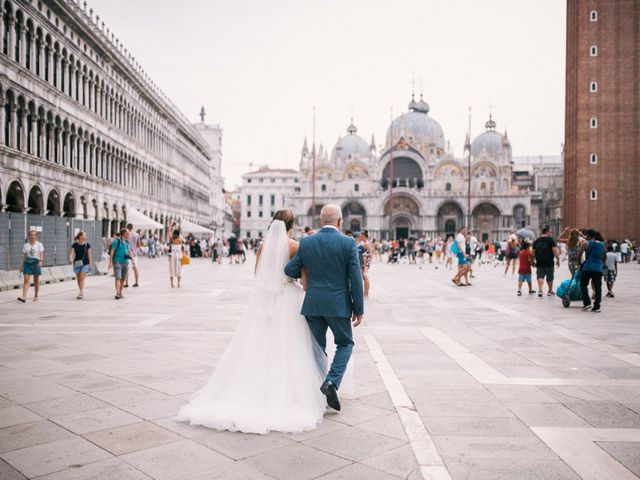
x,y
140,221
189,227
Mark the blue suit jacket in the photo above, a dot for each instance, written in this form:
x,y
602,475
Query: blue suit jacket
x,y
334,276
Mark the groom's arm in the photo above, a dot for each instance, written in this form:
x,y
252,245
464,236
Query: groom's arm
x,y
355,279
293,269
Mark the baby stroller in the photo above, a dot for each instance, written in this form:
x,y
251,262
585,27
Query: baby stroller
x,y
569,290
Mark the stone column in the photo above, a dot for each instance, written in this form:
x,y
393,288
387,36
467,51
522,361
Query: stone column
x,y
34,135
40,135
3,140
50,65
24,137
89,87
58,137
64,140
13,130
52,144
1,27
11,37
58,77
22,43
32,49
40,59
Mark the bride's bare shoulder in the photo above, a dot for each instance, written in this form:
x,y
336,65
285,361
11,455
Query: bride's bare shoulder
x,y
293,247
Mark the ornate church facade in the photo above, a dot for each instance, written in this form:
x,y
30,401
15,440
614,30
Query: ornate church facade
x,y
415,185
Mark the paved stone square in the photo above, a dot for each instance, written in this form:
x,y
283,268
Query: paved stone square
x,y
451,383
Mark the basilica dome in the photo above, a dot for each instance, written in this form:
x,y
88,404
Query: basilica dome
x,y
490,143
417,128
351,145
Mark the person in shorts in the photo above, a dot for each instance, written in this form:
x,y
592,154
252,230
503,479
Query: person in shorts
x,y
80,257
33,256
134,246
464,267
524,269
611,266
545,251
119,261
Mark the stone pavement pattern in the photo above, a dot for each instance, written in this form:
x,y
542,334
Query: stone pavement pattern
x,y
460,383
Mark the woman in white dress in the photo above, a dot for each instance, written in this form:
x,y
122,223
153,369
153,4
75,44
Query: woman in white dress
x,y
176,245
269,376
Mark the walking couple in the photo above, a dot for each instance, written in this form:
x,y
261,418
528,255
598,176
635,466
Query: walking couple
x,y
273,375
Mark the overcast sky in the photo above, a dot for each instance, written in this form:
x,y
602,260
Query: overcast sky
x,y
260,66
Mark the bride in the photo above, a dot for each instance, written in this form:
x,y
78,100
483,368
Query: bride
x,y
268,377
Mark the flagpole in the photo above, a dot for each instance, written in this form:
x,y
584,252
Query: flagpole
x,y
391,143
313,173
469,177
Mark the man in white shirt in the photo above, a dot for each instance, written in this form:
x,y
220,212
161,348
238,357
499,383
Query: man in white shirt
x,y
464,267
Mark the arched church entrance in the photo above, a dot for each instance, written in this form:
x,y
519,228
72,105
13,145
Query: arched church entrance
x,y
486,222
449,219
403,216
354,216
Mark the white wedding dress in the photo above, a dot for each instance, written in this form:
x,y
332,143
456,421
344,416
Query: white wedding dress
x,y
269,376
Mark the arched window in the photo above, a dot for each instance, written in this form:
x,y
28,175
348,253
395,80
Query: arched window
x,y
593,158
594,122
356,187
355,225
323,187
593,87
447,187
593,195
593,51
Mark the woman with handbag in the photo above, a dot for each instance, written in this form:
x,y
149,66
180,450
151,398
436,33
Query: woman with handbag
x,y
80,256
175,256
31,266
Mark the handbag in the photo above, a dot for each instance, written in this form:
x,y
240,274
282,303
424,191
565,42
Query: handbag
x,y
80,263
185,260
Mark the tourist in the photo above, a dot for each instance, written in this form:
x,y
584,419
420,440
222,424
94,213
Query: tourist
x,y
459,248
134,246
411,250
512,253
240,249
525,261
571,237
545,250
219,251
119,260
150,247
33,256
175,257
594,255
365,259
448,253
625,251
308,231
80,257
611,265
233,249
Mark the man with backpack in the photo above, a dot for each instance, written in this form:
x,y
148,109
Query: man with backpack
x,y
119,260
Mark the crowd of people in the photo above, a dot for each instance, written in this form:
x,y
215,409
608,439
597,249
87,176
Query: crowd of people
x,y
585,250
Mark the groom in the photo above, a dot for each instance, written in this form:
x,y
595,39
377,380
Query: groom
x,y
334,296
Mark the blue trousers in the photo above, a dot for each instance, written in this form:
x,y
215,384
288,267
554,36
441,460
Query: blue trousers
x,y
343,336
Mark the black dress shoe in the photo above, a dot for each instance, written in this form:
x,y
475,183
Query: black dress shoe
x,y
329,391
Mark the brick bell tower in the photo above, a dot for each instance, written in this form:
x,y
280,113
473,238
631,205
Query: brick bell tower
x,y
602,117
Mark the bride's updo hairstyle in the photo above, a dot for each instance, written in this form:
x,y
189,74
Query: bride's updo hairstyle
x,y
286,216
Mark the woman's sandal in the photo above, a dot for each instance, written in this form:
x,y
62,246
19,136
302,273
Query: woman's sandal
x,y
20,299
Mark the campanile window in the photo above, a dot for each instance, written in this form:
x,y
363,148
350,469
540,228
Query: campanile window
x,y
593,195
593,16
593,158
593,122
593,87
593,51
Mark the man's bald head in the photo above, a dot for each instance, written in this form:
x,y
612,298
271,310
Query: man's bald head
x,y
331,215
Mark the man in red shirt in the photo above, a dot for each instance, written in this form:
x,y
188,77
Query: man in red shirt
x,y
524,270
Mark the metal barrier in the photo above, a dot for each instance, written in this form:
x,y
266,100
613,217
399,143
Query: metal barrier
x,y
55,233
